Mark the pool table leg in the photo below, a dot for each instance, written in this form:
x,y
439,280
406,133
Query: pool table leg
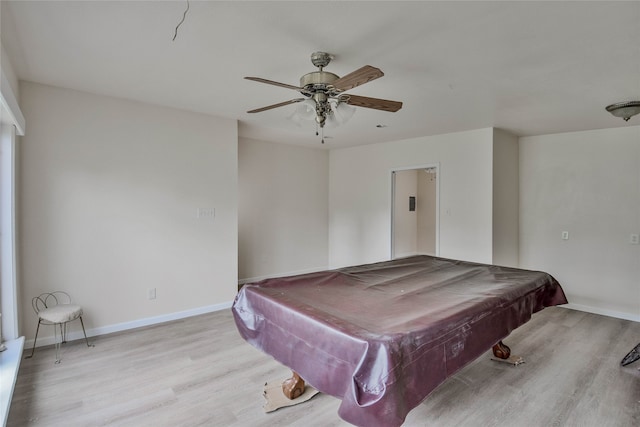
x,y
501,351
293,387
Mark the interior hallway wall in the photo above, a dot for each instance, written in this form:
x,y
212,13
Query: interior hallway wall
x,y
427,213
405,222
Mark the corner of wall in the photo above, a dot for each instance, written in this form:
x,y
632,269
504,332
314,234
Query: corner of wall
x,y
505,221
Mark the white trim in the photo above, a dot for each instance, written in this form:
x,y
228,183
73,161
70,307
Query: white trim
x,y
9,365
8,250
103,330
271,276
10,105
603,312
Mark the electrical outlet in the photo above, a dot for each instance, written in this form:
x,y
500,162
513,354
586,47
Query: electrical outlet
x,y
634,239
565,235
151,293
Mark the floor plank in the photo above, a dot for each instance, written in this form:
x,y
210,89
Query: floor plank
x,y
199,372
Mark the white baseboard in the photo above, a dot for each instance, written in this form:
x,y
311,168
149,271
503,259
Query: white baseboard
x,y
405,255
290,273
603,312
103,330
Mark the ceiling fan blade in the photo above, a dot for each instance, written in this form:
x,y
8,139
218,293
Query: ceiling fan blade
x,y
375,103
281,104
357,78
271,82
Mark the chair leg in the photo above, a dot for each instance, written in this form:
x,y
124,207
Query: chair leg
x,y
58,343
33,350
85,334
63,333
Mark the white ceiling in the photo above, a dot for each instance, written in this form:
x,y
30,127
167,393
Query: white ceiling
x,y
530,68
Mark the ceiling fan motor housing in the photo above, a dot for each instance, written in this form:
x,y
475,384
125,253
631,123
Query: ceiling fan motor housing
x,y
317,81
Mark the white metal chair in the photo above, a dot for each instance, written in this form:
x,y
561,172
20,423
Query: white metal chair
x,y
56,308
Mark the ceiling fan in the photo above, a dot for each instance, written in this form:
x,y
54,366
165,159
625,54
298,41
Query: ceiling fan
x,y
324,90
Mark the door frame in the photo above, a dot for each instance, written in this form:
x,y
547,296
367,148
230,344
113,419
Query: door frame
x,y
392,174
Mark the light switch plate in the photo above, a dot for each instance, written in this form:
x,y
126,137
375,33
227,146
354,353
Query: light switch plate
x,y
206,213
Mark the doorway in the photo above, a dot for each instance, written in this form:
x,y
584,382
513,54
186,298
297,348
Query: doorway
x,y
414,211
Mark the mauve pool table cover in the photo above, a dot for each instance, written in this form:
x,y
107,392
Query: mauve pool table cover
x,y
382,336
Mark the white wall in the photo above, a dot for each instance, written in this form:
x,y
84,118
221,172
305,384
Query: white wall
x,y
505,199
586,183
360,196
282,207
405,222
109,191
427,212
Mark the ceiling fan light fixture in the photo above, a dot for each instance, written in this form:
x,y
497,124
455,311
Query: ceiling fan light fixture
x,y
343,112
625,110
325,101
306,110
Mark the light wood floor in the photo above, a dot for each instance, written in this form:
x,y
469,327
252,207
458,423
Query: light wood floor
x,y
199,372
